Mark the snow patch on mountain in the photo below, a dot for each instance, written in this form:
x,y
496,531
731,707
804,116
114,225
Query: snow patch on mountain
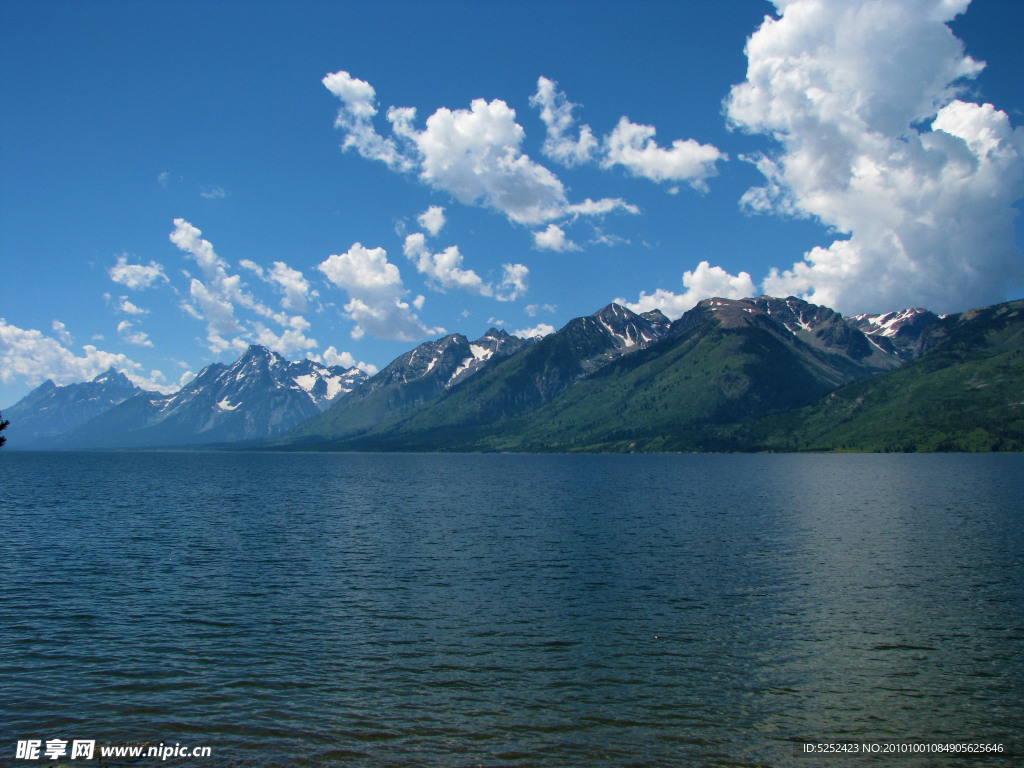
x,y
889,324
481,353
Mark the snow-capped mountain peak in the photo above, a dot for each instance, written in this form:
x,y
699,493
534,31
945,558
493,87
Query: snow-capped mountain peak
x,y
890,323
897,332
626,329
259,395
323,384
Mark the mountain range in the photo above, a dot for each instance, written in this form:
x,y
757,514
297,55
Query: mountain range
x,y
50,411
260,395
761,373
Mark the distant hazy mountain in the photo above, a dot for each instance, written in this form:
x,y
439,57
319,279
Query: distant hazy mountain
x,y
50,410
260,395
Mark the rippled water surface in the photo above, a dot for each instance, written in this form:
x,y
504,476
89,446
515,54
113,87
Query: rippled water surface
x,y
438,610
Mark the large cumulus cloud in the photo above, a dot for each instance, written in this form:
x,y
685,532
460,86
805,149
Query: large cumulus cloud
x,y
878,139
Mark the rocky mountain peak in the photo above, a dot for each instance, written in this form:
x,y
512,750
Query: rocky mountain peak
x,y
112,377
900,333
626,329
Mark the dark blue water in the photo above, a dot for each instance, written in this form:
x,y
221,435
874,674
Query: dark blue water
x,y
438,610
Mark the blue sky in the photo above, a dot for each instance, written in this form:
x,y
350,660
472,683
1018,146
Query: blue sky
x,y
344,180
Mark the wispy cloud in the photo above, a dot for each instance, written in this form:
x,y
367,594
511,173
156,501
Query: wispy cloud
x,y
444,270
137,276
628,145
220,296
291,283
557,113
139,338
123,305
62,333
532,309
474,154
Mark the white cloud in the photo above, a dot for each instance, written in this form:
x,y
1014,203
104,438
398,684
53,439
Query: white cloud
x,y
553,239
474,154
289,341
432,219
356,119
532,309
32,357
216,310
704,282
292,284
556,112
444,269
214,193
537,332
514,282
289,282
189,239
385,320
600,207
129,308
376,294
219,296
136,276
253,267
124,330
845,88
365,271
62,333
162,177
604,238
629,145
633,147
333,357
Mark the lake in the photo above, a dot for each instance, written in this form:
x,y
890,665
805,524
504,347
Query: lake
x,y
512,610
